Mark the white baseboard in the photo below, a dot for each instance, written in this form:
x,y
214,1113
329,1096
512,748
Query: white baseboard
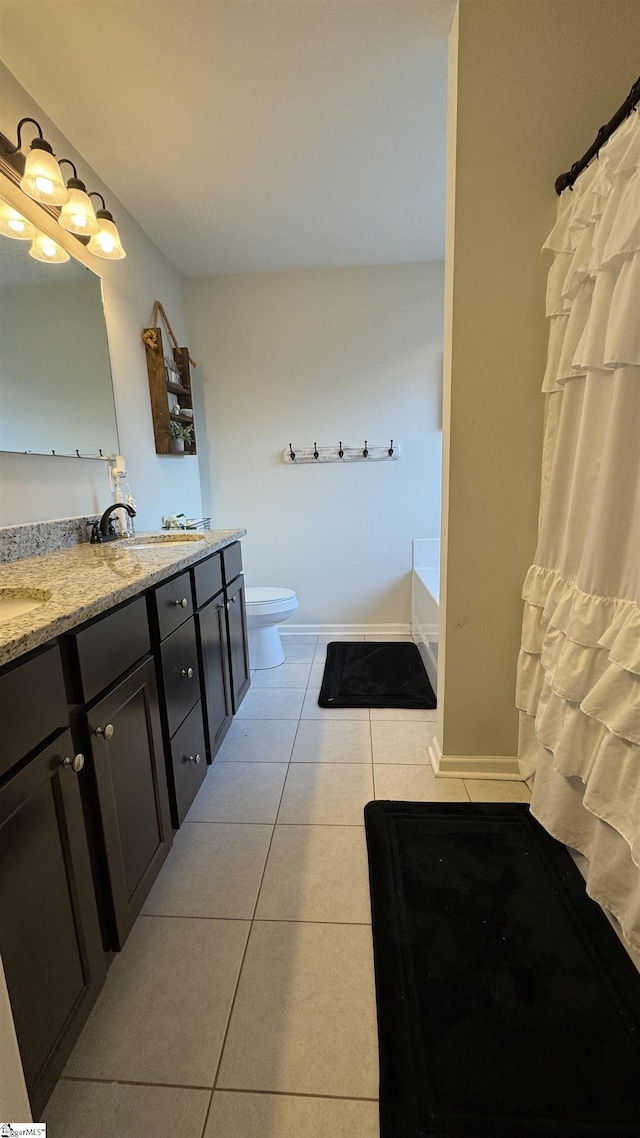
x,y
382,630
473,766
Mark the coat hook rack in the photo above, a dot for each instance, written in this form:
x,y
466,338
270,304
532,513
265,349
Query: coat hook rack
x,y
341,453
76,454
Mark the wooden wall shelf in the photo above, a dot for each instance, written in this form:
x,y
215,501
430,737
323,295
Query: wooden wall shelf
x,y
161,387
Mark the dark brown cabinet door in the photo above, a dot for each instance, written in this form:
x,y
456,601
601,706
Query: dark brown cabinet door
x,y
131,783
49,934
213,650
238,642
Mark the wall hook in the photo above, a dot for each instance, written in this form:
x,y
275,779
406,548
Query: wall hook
x,y
340,452
365,451
315,451
391,450
292,453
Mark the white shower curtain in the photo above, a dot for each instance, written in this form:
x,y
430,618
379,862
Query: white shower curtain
x,y
579,665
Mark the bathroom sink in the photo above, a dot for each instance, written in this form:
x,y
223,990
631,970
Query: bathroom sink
x,y
16,601
156,539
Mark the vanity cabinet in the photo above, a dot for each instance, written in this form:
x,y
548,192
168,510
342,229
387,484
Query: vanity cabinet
x,y
50,939
106,737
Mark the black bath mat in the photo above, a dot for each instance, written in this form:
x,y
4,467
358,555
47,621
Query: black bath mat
x,y
386,674
506,1004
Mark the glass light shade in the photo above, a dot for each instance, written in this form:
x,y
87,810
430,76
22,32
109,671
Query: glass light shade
x,y
106,243
77,214
13,224
42,179
45,249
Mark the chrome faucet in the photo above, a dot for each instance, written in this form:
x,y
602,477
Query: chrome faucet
x,y
104,529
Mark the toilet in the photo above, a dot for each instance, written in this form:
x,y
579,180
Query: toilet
x,y
266,609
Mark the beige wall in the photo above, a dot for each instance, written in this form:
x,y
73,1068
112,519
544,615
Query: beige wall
x,y
318,356
34,487
534,82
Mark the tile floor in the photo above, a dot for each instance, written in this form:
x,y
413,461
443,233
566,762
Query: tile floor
x,y
243,1003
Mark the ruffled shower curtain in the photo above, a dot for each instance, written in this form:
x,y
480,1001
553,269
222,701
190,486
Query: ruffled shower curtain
x,y
579,666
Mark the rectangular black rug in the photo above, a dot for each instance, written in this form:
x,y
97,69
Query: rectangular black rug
x,y
506,1004
385,674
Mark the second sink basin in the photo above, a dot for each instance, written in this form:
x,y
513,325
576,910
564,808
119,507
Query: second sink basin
x,y
154,539
16,601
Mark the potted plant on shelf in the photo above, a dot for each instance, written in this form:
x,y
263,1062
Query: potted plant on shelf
x,y
181,433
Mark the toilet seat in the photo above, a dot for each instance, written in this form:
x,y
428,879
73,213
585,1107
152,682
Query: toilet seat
x,y
261,600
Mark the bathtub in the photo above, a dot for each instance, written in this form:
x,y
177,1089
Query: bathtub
x,y
425,597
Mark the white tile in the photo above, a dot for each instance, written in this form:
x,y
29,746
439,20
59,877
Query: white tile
x,y
284,676
301,653
239,792
496,790
162,1014
238,1115
403,715
316,873
258,741
271,703
416,784
304,1018
289,638
328,794
404,743
324,741
310,709
102,1110
315,676
213,870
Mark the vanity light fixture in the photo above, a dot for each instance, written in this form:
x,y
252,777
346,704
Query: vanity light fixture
x,y
44,248
42,179
106,243
77,215
13,224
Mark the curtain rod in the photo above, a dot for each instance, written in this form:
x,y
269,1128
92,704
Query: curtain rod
x,y
605,132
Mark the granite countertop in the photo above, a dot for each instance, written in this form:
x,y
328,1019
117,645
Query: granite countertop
x,y
86,580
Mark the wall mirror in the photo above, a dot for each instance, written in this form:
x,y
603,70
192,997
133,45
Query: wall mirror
x,y
56,394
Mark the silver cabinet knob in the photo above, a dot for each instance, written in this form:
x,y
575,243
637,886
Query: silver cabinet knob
x,y
76,763
194,759
106,732
181,604
234,599
187,673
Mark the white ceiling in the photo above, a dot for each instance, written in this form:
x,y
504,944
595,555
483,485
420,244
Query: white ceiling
x,y
252,136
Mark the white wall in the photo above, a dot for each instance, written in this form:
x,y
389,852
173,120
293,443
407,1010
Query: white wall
x,y
34,488
533,82
319,356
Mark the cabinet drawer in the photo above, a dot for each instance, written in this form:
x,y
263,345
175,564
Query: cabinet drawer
x,y
107,648
171,605
189,763
180,674
33,704
232,560
207,579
